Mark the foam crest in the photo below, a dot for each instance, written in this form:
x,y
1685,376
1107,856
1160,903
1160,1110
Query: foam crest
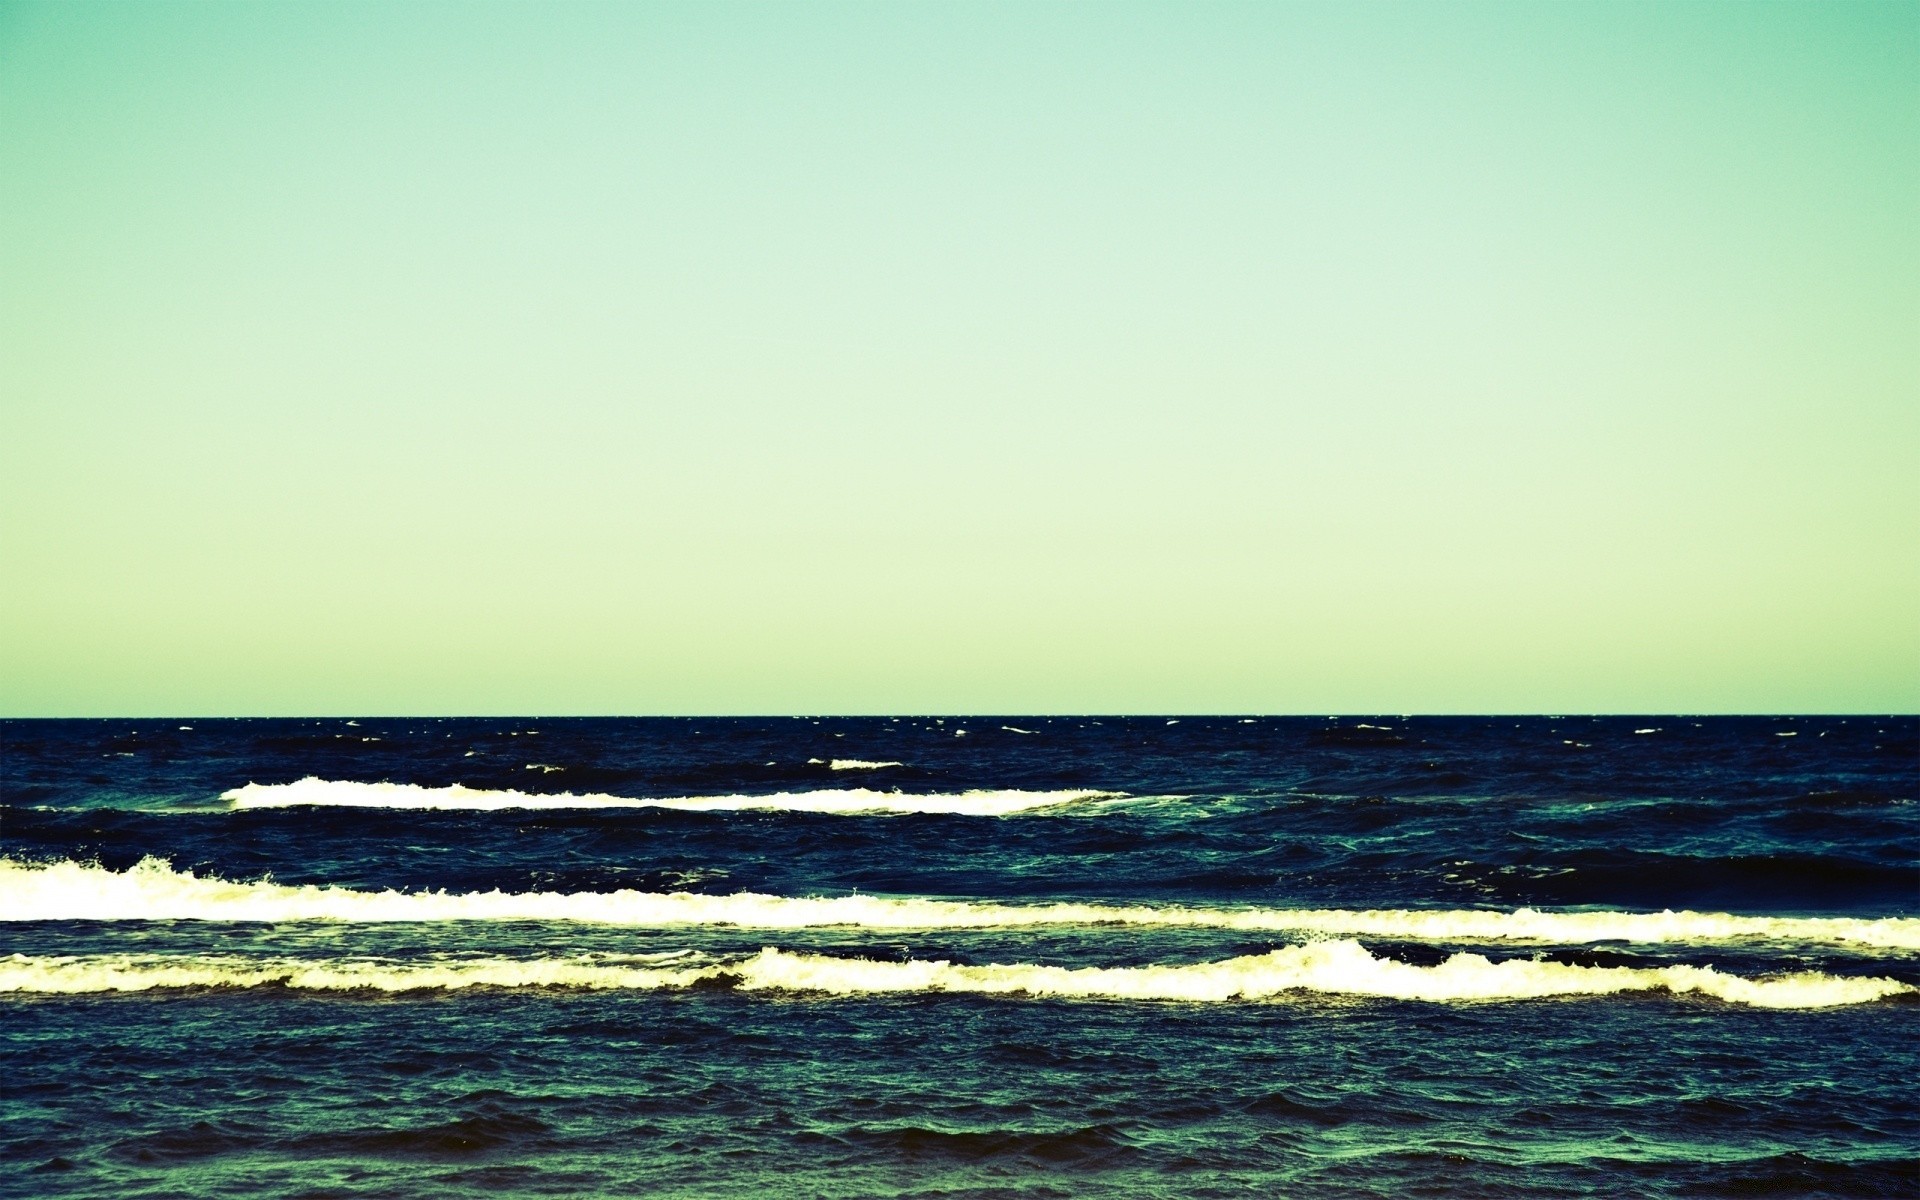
x,y
333,793
153,890
1331,967
131,973
1337,967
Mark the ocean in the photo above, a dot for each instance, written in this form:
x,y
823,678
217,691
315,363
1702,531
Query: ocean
x,y
960,957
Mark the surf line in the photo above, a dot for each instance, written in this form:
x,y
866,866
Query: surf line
x,y
154,890
1326,967
335,793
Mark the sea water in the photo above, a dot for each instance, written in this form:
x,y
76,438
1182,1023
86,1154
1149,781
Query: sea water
x,y
1014,956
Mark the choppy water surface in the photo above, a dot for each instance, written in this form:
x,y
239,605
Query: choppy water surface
x,y
961,957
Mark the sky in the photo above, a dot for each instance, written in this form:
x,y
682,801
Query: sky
x,y
822,358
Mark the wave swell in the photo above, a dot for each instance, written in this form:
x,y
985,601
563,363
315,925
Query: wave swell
x,y
335,793
1334,967
153,890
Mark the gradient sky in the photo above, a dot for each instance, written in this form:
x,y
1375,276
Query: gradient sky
x,y
713,358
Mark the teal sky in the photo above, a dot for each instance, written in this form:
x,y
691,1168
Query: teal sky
x,y
713,358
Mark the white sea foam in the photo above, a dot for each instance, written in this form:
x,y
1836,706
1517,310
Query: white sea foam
x,y
345,794
139,973
1337,967
152,890
858,764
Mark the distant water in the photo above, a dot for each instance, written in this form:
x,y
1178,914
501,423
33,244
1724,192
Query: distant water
x,y
1026,956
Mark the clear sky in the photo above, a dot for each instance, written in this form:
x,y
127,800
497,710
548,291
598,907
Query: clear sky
x,y
703,358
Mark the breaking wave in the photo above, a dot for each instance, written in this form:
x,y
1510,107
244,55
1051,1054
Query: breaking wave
x,y
348,794
1334,967
153,890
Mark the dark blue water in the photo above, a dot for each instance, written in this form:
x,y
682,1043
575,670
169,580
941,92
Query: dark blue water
x,y
558,1027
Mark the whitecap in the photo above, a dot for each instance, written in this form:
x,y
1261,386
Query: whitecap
x,y
1330,967
348,794
153,890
